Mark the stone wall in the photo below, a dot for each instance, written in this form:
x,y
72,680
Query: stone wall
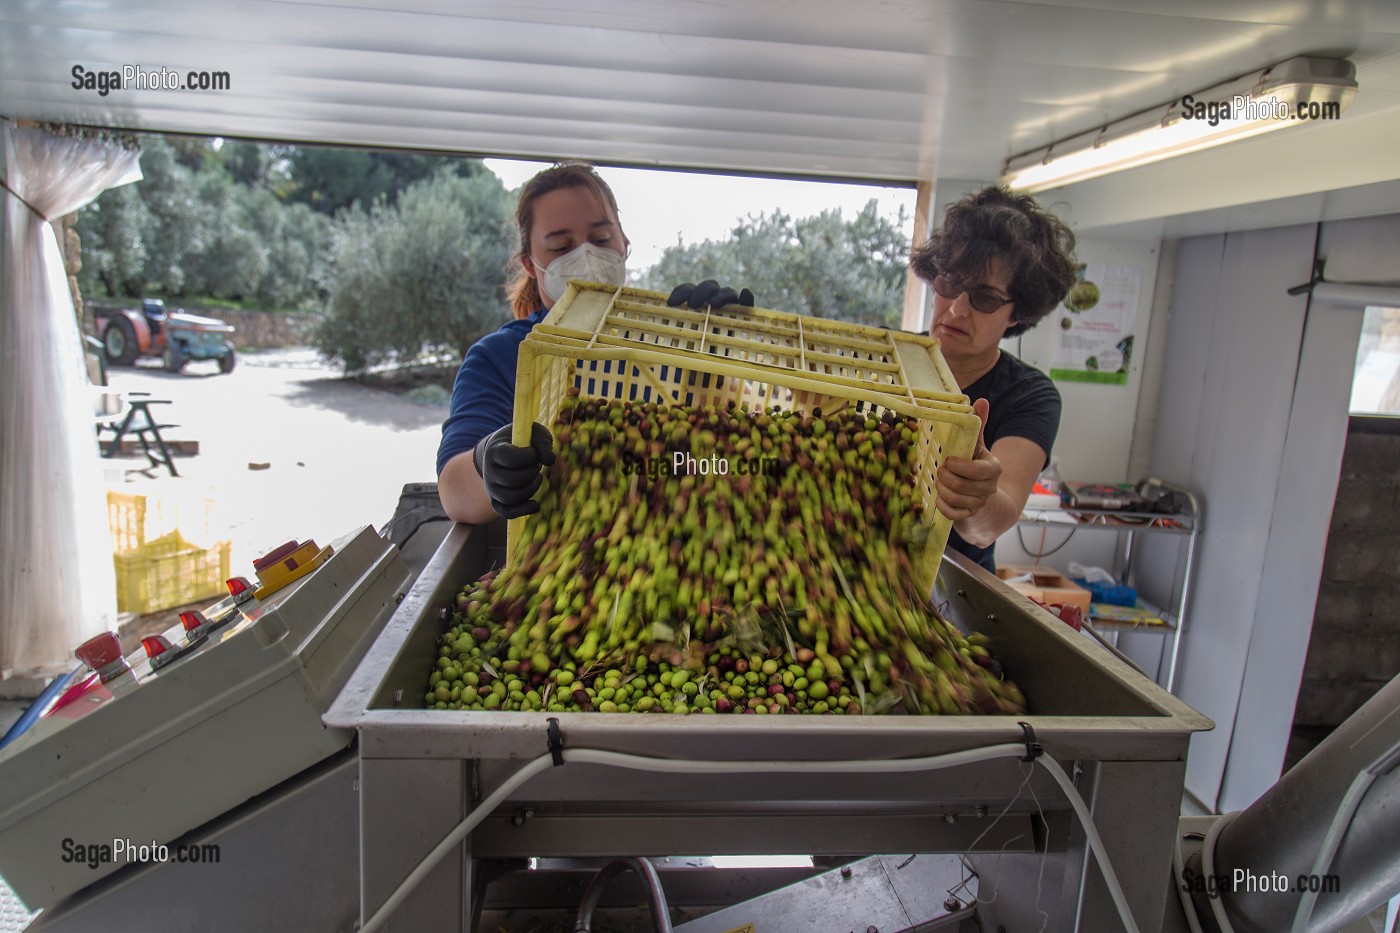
x,y
259,330
264,329
72,248
1355,646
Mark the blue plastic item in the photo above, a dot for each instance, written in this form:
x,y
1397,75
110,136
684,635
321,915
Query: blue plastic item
x,y
41,704
1115,594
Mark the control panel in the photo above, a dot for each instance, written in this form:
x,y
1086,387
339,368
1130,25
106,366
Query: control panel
x,y
203,716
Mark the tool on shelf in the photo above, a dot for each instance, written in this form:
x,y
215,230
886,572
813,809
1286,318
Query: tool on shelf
x,y
1151,506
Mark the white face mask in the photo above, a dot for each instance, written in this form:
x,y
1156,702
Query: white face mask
x,y
586,261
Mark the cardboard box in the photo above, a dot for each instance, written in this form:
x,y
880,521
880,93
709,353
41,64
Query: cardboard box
x,y
1046,585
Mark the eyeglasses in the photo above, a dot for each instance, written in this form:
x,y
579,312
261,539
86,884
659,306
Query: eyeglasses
x,y
982,298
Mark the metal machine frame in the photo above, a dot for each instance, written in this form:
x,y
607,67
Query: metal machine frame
x,y
1124,738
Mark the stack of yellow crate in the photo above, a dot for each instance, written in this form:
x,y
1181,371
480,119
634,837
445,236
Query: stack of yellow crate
x,y
164,572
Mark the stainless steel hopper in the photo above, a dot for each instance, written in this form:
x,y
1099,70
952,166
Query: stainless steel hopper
x,y
1122,737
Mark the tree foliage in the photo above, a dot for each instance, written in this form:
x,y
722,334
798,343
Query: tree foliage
x,y
422,275
112,230
177,229
823,265
405,254
242,221
329,180
205,221
298,241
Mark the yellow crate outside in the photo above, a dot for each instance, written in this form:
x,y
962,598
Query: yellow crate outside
x,y
710,366
170,571
126,518
134,518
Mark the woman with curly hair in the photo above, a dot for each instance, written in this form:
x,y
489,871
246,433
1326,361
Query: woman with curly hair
x,y
997,267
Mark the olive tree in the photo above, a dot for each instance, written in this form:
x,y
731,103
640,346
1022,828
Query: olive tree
x,y
823,265
423,275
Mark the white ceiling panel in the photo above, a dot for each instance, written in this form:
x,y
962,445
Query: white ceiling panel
x,y
893,90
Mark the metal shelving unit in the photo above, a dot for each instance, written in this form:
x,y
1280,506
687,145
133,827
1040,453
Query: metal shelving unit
x,y
1128,525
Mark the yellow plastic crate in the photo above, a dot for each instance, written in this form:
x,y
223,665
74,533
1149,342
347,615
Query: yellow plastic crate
x,y
134,518
908,366
170,571
126,518
631,353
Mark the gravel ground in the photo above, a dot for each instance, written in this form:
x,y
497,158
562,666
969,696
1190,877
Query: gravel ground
x,y
286,450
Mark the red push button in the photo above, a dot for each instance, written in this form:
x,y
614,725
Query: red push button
x,y
103,653
240,589
155,645
192,619
100,650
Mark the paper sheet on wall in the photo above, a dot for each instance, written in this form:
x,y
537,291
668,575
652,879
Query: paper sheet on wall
x,y
1094,325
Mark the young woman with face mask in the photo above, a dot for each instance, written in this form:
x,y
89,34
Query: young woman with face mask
x,y
569,229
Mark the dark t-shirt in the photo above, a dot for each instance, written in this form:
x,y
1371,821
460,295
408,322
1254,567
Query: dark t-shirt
x,y
1022,402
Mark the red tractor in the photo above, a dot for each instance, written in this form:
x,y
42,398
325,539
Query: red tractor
x,y
175,336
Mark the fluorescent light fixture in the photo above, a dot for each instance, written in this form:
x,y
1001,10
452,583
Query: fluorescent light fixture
x,y
1296,92
761,861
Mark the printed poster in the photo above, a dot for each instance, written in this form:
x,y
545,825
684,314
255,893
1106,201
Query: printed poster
x,y
1094,325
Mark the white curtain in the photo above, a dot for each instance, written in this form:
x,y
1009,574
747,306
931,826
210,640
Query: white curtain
x,y
57,586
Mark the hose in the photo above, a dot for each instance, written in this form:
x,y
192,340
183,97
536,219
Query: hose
x,y
1341,822
1188,909
1336,831
1217,904
656,897
454,838
642,763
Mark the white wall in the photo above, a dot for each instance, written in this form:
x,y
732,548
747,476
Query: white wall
x,y
1253,418
1096,429
1242,397
1097,425
1356,252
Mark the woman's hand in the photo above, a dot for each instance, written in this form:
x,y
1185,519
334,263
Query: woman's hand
x,y
708,292
512,475
965,486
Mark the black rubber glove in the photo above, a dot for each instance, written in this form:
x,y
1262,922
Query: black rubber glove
x,y
512,474
708,292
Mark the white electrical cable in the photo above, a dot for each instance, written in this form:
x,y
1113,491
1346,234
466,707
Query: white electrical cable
x,y
1217,906
1110,877
1188,908
642,763
884,765
492,801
